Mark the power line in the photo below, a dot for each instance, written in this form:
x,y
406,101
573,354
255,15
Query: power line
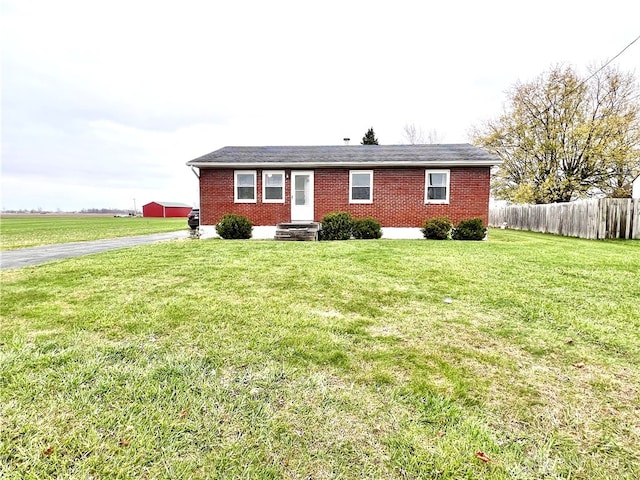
x,y
544,111
599,70
605,65
594,73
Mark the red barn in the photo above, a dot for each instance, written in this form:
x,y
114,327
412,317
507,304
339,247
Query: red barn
x,y
398,185
165,209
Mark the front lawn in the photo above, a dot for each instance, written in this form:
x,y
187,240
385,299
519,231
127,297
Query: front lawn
x,y
358,359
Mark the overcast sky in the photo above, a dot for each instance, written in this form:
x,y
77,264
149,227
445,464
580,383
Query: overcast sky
x,y
103,102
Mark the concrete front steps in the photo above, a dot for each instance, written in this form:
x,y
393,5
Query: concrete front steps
x,y
298,231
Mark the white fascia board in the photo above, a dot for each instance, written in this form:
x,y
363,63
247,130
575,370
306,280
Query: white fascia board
x,y
306,165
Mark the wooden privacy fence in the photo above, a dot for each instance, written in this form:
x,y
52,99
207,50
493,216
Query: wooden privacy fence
x,y
594,219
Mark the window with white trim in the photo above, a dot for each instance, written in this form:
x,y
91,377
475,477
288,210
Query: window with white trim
x,y
244,186
437,186
273,186
361,186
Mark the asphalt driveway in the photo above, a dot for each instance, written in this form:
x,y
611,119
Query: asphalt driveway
x,y
25,257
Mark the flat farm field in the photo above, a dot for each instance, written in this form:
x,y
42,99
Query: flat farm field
x,y
34,230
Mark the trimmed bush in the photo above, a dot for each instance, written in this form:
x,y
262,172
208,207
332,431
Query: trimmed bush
x,y
234,227
336,226
437,228
472,229
366,228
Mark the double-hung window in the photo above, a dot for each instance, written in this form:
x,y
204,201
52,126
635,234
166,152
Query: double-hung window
x,y
244,186
273,186
361,186
437,186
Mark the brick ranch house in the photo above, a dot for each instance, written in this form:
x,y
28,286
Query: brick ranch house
x,y
398,185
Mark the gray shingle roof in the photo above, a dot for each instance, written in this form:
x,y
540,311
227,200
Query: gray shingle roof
x,y
347,155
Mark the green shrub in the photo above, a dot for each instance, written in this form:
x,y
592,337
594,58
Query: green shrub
x,y
336,226
437,228
472,229
366,228
234,227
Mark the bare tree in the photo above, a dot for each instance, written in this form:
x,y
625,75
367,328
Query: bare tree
x,y
413,135
434,136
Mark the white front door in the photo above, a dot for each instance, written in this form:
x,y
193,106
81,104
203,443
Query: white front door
x,y
301,196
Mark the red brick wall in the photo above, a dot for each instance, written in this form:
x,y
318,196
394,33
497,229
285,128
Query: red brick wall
x,y
216,199
398,197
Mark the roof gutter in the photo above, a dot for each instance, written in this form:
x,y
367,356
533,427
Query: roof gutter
x,y
303,165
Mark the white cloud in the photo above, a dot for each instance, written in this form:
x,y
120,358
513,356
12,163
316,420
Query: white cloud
x,y
108,100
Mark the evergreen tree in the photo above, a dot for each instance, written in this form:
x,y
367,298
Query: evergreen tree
x,y
369,138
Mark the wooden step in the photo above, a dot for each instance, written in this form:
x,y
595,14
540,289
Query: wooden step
x,y
297,231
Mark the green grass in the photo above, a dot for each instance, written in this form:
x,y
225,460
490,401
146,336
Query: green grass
x,y
33,230
262,359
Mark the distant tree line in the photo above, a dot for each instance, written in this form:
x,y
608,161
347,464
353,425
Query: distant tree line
x,y
106,210
95,211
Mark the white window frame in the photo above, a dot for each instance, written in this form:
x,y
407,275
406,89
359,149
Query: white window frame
x,y
355,172
235,186
264,186
439,201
